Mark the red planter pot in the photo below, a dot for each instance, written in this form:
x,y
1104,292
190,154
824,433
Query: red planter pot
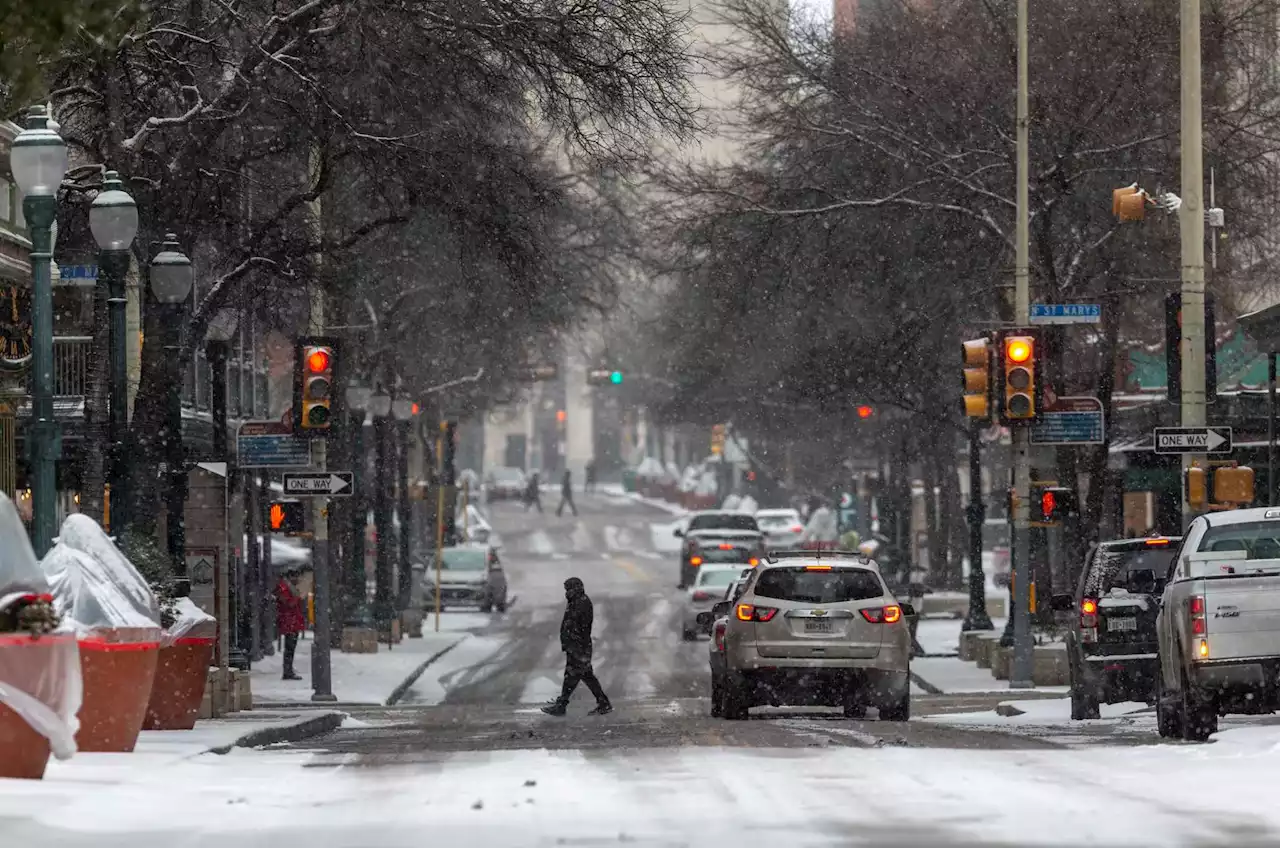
x,y
118,678
23,661
182,669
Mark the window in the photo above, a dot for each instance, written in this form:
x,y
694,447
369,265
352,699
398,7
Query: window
x,y
723,521
718,577
465,559
1112,565
1258,539
818,587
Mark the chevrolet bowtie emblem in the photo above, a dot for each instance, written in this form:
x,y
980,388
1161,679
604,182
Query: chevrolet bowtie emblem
x,y
819,613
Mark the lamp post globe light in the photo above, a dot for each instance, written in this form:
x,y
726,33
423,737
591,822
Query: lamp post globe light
x,y
113,219
38,160
359,616
172,277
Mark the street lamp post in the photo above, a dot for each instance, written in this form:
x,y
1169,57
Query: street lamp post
x,y
358,397
218,336
113,219
383,607
38,160
402,410
171,279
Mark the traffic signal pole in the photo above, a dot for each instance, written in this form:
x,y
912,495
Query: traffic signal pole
x,y
1191,226
1020,672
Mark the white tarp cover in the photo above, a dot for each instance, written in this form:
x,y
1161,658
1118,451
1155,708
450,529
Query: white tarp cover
x,y
191,624
95,586
39,675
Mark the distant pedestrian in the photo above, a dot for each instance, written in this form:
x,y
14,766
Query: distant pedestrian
x,y
575,641
533,493
566,494
591,477
290,619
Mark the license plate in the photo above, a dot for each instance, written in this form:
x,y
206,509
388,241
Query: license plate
x,y
817,625
1119,624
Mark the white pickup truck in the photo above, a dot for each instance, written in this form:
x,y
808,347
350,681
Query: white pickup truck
x,y
1219,623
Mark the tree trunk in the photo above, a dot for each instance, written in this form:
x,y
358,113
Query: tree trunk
x,y
147,439
96,411
1096,466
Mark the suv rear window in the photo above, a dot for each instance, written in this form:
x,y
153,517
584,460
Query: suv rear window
x,y
1112,563
818,587
723,522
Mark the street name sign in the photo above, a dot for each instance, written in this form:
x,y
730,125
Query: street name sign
x,y
332,484
1193,440
1070,421
1066,313
271,444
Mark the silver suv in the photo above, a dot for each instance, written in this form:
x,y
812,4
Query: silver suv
x,y
817,629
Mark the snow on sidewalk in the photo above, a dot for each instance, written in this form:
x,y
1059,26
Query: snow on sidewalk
x,y
361,678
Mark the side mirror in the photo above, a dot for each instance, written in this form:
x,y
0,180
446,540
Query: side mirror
x,y
1062,603
678,533
718,609
704,619
908,610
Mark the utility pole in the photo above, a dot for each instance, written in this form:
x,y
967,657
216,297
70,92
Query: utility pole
x,y
976,513
1191,227
1020,672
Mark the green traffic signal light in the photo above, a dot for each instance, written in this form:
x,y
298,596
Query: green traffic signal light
x,y
615,378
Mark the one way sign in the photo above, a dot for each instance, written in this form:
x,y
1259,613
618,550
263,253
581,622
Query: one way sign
x,y
333,484
1193,439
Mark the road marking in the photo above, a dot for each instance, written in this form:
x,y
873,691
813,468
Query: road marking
x,y
632,569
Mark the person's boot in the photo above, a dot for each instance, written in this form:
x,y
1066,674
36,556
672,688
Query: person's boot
x,y
602,708
290,675
555,708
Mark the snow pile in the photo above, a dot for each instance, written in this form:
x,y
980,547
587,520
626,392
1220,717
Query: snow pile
x,y
96,588
39,675
191,624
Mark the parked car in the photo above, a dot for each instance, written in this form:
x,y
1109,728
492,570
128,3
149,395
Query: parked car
x,y
1111,644
782,528
470,575
708,588
504,484
717,537
812,629
1219,623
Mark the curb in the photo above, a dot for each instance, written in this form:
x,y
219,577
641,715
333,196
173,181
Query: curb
x,y
925,685
407,684
279,734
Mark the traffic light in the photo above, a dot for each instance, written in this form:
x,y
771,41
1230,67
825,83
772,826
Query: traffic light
x,y
1197,486
1052,504
1129,203
865,412
1021,357
717,439
1233,484
286,517
977,378
604,377
315,364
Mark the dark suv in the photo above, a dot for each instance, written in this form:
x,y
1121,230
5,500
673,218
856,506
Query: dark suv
x,y
1112,649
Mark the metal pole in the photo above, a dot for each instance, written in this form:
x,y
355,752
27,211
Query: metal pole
x,y
1191,226
114,264
976,511
1020,672
176,496
1271,428
406,518
440,496
383,608
358,614
321,662
46,443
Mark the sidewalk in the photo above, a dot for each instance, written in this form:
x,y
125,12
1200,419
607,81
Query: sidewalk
x,y
362,678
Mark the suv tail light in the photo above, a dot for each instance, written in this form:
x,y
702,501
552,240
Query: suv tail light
x,y
1195,609
797,529
1089,619
702,596
751,612
753,562
695,560
718,634
883,615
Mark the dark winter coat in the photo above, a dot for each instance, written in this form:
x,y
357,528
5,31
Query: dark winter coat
x,y
575,627
290,617
566,485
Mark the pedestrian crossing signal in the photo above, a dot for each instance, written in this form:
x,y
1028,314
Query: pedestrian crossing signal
x,y
286,517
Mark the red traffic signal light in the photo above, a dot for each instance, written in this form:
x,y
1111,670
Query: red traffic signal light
x,y
865,411
319,360
315,366
285,517
1047,503
1021,396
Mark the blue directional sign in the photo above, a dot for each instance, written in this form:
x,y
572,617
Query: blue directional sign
x,y
78,274
271,444
1070,421
1066,313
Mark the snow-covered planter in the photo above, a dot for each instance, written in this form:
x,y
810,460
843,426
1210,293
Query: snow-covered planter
x,y
39,665
182,668
116,619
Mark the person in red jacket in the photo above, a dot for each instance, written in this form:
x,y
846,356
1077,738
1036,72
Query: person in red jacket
x,y
290,619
